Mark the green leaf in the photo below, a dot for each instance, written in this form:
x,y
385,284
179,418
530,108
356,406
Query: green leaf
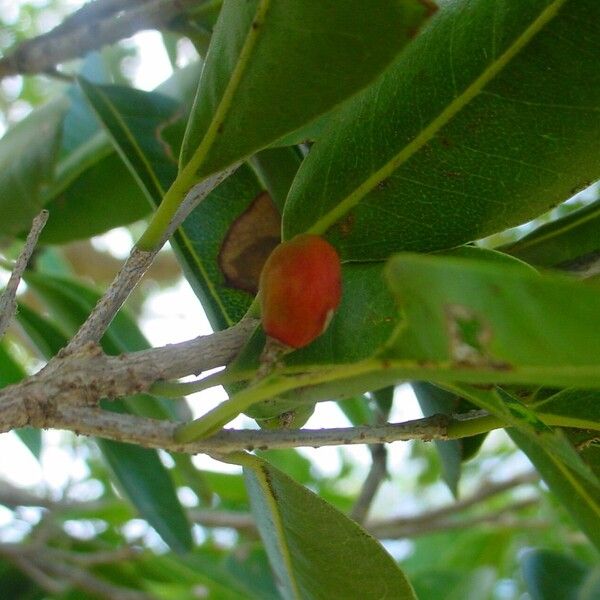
x,y
580,498
494,323
134,120
455,585
550,575
276,168
137,124
487,119
149,486
12,372
27,155
452,453
83,175
102,196
562,240
198,244
346,563
575,408
293,60
139,471
384,398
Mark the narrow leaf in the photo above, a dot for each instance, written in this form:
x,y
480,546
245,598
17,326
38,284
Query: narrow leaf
x,y
579,497
452,453
550,575
561,241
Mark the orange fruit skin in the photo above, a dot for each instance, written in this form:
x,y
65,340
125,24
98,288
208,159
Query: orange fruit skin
x,y
300,286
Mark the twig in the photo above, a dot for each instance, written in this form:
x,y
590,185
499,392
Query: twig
x,y
421,527
8,300
224,518
377,473
414,523
135,267
93,26
37,574
85,581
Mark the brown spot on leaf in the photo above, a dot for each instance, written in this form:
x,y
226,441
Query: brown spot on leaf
x,y
469,337
248,243
430,6
346,225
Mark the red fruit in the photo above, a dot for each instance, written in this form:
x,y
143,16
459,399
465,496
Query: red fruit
x,y
300,287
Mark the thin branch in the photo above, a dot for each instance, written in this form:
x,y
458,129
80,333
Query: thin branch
x,y
224,518
377,473
483,493
502,518
441,519
136,265
8,300
84,580
39,575
95,25
151,433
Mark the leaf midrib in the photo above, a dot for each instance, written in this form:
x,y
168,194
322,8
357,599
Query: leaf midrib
x,y
226,101
260,472
342,207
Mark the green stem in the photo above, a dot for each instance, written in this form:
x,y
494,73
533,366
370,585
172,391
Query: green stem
x,y
174,389
458,429
374,372
188,176
219,416
152,238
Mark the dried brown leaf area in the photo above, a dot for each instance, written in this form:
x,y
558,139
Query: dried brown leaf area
x,y
248,243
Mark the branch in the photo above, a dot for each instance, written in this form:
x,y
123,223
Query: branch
x,y
56,570
377,473
502,518
136,265
86,376
97,24
8,300
406,526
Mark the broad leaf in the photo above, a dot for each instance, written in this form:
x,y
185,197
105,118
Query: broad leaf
x,y
494,323
273,66
58,158
487,119
346,563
